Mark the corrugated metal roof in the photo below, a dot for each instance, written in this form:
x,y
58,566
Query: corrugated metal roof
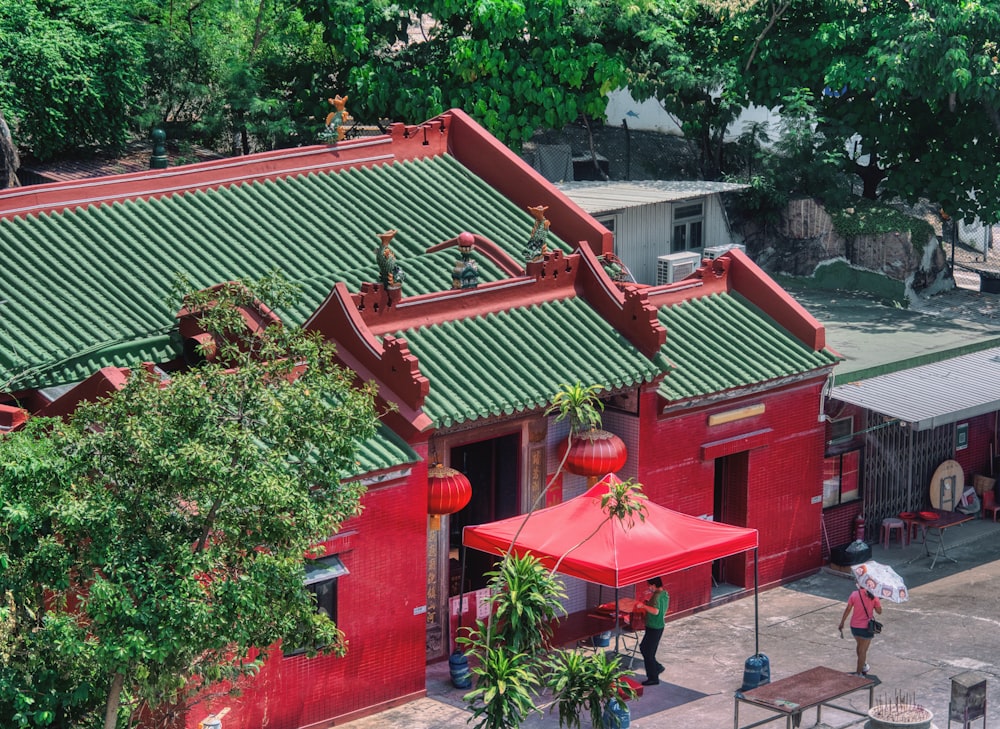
x,y
934,394
721,341
87,288
606,197
512,361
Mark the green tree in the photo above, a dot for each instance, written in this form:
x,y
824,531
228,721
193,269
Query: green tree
x,y
9,158
244,76
153,546
907,91
70,74
516,67
672,49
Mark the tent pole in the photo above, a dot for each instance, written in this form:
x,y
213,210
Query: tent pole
x,y
618,622
461,591
756,609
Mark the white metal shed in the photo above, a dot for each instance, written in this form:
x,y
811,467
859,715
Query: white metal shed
x,y
654,218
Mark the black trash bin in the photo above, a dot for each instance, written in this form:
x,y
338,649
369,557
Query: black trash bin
x,y
842,556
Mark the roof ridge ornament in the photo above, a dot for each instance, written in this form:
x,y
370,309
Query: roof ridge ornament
x,y
465,274
335,121
390,272
537,246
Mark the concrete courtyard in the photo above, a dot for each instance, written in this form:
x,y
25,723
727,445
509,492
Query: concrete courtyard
x,y
950,625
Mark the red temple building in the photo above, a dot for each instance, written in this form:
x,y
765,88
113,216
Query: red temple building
x,y
469,289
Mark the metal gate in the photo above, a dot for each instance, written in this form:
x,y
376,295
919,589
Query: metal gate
x,y
899,463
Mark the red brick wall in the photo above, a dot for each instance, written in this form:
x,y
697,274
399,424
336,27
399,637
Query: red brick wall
x,y
783,480
385,551
839,524
977,457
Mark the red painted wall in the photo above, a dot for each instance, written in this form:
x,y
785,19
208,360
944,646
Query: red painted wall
x,y
838,521
783,473
978,456
385,551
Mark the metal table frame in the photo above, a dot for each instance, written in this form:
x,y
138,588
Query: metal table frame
x,y
812,689
934,534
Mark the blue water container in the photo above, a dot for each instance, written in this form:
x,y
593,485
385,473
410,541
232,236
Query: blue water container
x,y
602,640
616,715
458,665
756,672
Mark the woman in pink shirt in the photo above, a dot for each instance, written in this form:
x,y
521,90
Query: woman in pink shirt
x,y
865,606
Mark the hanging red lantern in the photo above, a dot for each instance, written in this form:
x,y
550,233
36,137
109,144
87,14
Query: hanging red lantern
x,y
448,490
594,452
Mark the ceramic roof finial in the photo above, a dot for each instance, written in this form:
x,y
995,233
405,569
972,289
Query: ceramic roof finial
x,y
465,275
336,120
537,247
390,272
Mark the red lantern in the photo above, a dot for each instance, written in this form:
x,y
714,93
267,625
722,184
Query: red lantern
x,y
594,453
448,490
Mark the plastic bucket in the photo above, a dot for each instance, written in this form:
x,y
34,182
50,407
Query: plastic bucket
x,y
616,715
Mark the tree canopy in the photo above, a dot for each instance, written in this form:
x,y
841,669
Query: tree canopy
x,y
68,74
155,544
516,67
905,95
907,92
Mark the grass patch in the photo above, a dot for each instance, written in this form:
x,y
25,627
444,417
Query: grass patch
x,y
867,217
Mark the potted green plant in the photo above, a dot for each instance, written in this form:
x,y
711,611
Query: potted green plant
x,y
590,683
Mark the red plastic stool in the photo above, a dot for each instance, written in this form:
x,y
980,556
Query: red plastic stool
x,y
889,526
916,530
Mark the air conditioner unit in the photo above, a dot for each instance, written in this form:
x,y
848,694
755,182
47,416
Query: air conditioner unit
x,y
716,251
676,266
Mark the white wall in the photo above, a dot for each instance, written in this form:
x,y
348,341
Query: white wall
x,y
650,116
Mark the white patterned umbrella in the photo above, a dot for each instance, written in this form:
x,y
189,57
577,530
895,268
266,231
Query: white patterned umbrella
x,y
881,580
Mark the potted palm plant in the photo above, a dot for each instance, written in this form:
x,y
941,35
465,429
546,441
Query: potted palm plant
x,y
589,451
591,684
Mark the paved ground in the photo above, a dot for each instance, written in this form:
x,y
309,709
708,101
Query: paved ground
x,y
870,334
950,625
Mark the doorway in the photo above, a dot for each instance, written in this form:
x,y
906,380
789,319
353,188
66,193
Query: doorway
x,y
492,467
730,507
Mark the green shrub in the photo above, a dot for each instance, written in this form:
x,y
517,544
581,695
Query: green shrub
x,y
867,217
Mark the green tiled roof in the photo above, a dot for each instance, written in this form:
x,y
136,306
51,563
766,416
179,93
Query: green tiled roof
x,y
87,288
515,360
383,450
721,341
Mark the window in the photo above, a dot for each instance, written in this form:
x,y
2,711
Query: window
x,y
688,227
961,436
841,478
321,581
841,429
608,221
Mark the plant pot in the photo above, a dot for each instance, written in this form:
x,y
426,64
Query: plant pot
x,y
616,715
899,716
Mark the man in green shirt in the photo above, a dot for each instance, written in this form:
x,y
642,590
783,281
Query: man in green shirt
x,y
655,607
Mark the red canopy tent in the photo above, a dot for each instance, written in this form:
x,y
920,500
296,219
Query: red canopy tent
x,y
607,552
617,554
